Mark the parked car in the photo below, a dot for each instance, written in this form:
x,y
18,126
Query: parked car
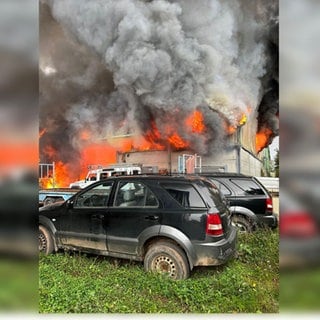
x,y
249,201
171,223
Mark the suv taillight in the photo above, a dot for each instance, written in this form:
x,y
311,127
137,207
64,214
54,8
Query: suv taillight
x,y
297,224
214,225
269,204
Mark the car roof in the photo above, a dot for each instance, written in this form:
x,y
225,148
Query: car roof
x,y
189,178
225,175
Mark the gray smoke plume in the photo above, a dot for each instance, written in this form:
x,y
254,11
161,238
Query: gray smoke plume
x,y
165,59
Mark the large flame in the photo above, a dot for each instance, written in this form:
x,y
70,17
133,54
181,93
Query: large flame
x,y
177,142
57,177
105,153
65,173
195,122
263,138
153,139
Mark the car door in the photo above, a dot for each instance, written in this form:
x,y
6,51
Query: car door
x,y
84,221
135,209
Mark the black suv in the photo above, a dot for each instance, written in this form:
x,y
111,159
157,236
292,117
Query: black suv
x,y
170,223
249,201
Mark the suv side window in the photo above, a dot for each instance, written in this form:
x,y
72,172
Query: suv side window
x,y
185,194
248,186
222,188
95,197
103,175
135,194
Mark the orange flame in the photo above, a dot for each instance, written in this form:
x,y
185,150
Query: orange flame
x,y
262,138
176,141
154,140
127,145
59,178
195,122
153,134
96,153
140,144
104,154
65,173
241,120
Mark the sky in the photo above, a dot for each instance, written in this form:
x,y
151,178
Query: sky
x,y
274,146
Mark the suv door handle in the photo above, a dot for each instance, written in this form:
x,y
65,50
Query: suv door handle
x,y
152,218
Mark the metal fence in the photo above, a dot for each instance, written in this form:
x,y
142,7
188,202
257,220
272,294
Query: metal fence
x,y
47,174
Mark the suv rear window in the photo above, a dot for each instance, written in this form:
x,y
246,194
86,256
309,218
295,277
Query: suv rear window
x,y
215,195
248,186
185,194
222,188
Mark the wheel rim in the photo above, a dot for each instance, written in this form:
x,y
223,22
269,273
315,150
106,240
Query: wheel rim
x,y
42,242
165,265
241,227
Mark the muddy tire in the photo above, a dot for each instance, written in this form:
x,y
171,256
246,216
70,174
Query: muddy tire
x,y
45,241
243,224
167,258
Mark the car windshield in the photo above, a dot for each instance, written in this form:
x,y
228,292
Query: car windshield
x,y
222,188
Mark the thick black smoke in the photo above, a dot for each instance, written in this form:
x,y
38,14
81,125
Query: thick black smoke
x,y
268,110
121,65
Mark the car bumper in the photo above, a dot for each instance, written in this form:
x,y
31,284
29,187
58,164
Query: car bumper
x,y
216,253
269,221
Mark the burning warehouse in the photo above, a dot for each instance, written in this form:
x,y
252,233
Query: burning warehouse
x,y
157,81
176,155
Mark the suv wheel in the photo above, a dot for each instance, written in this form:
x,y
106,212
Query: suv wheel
x,y
242,224
167,258
45,241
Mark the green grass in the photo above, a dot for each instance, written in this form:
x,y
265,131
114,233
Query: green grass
x,y
77,283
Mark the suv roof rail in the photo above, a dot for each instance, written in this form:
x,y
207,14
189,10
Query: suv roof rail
x,y
158,175
228,174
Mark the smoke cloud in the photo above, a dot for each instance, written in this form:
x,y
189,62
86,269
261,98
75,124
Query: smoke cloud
x,y
125,64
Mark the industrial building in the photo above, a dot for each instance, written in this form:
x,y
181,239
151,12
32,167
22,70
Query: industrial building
x,y
239,157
